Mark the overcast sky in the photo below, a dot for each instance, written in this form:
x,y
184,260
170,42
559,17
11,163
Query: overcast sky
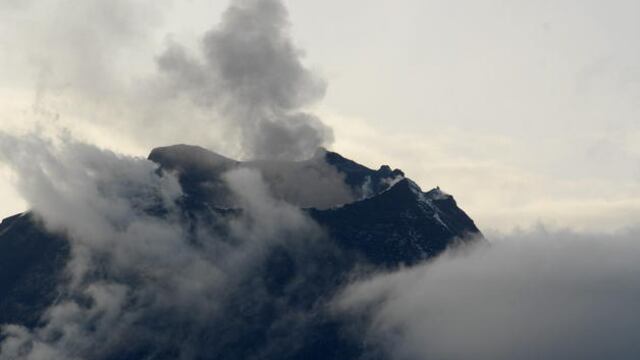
x,y
526,111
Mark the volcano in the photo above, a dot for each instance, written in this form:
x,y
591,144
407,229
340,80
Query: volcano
x,y
369,221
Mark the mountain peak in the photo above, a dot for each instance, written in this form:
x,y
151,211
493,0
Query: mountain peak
x,y
189,158
327,179
437,194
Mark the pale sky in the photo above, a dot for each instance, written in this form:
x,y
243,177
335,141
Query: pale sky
x,y
528,112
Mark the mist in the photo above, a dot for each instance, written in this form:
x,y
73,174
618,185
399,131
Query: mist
x,y
531,295
136,254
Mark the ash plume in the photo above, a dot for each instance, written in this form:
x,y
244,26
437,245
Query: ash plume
x,y
251,73
532,295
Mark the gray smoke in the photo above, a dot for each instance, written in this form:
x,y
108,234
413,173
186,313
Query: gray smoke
x,y
538,295
308,183
252,74
244,91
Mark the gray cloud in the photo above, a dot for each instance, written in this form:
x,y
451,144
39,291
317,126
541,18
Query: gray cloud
x,y
537,295
253,75
134,253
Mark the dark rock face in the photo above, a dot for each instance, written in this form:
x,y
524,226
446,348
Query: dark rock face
x,y
402,225
31,266
279,310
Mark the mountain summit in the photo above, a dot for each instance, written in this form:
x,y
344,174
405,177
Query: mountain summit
x,y
341,219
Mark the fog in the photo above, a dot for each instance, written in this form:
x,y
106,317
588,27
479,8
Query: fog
x,y
528,295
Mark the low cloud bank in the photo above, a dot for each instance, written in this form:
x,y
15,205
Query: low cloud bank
x,y
536,295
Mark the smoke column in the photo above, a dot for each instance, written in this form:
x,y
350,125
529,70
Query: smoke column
x,y
251,74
